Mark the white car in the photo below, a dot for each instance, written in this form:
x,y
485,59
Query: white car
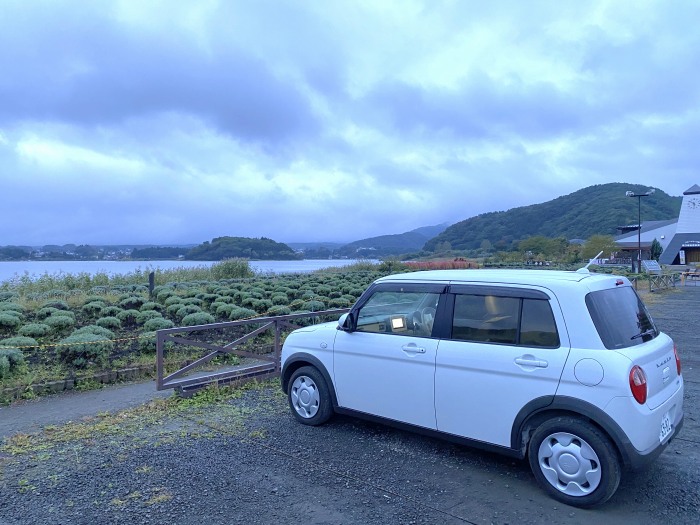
x,y
564,368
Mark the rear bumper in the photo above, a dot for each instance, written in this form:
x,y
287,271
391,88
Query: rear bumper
x,y
636,460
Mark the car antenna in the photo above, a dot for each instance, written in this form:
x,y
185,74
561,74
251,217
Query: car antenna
x,y
585,268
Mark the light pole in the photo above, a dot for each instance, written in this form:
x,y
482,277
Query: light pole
x,y
639,222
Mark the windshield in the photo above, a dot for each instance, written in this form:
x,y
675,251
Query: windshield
x,y
620,317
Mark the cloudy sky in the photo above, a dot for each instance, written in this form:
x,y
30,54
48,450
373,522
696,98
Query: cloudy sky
x,y
167,122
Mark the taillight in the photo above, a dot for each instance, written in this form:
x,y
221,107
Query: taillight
x,y
638,384
678,359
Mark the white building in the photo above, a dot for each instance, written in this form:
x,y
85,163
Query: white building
x,y
679,238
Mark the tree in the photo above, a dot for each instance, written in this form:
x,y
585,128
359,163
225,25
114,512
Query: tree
x,y
599,243
656,250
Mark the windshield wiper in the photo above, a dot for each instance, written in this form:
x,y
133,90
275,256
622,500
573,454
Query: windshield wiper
x,y
651,331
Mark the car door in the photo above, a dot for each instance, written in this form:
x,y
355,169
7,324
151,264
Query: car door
x,y
505,348
385,366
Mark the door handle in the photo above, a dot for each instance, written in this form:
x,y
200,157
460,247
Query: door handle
x,y
412,348
532,361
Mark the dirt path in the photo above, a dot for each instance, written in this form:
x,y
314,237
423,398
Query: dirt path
x,y
31,416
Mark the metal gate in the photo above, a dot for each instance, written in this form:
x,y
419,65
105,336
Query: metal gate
x,y
196,367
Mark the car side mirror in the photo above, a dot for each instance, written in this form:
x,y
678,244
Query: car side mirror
x,y
346,323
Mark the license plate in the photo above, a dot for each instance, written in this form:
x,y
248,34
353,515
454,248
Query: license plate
x,y
666,427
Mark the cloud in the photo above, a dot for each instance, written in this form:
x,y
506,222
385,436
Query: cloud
x,y
176,122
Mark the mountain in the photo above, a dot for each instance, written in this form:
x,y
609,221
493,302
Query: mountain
x,y
593,210
387,245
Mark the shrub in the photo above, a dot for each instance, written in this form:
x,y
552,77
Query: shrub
x,y
56,303
262,305
297,304
132,302
173,308
339,303
83,349
248,300
113,323
279,310
314,306
232,269
46,311
34,330
175,299
164,294
95,330
242,313
147,315
151,305
6,296
111,311
147,342
11,307
9,321
197,318
93,309
91,298
187,310
59,323
157,323
209,298
224,309
280,298
194,301
18,343
10,361
128,317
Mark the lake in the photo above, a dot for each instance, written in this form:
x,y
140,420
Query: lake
x,y
10,269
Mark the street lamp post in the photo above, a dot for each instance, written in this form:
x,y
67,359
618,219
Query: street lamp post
x,y
639,223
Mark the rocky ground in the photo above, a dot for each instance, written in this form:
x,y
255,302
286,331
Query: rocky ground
x,y
242,458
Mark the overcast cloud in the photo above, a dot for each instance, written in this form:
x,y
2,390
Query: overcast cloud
x,y
169,122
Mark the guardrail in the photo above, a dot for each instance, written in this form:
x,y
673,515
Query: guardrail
x,y
225,339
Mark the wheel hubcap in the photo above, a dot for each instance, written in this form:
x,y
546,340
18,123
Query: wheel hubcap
x,y
570,464
305,397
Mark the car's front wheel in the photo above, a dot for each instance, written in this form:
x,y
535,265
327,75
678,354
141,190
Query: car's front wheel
x,y
574,461
309,397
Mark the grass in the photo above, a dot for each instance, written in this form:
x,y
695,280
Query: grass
x,y
152,415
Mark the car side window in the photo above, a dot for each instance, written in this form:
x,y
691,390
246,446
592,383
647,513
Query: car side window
x,y
504,320
399,313
537,325
486,318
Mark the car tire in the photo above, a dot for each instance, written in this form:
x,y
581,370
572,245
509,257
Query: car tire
x,y
309,397
574,462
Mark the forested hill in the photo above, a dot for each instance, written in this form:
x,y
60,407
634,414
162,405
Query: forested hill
x,y
243,247
593,210
395,244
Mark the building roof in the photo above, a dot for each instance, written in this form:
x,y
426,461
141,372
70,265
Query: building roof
x,y
694,190
647,226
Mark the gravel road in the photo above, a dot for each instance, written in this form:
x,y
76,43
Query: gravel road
x,y
245,460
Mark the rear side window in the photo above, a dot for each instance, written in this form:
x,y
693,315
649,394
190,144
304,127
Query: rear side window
x,y
504,320
620,317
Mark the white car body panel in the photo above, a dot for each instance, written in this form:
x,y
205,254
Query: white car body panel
x,y
385,375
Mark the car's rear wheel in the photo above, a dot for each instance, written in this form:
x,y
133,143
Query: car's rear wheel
x,y
574,461
309,397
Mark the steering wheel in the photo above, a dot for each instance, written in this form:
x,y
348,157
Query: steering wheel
x,y
423,319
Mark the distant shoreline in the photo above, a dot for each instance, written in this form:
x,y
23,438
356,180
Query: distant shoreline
x,y
35,269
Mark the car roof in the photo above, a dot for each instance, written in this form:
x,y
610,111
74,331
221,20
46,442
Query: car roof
x,y
544,278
